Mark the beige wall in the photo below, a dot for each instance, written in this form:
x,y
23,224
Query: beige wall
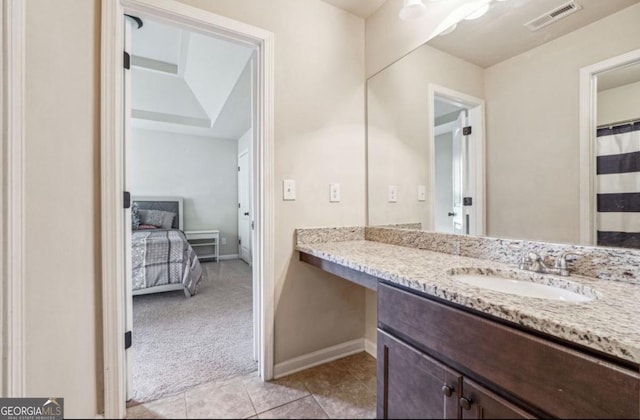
x,y
319,120
398,111
533,130
63,332
371,316
619,104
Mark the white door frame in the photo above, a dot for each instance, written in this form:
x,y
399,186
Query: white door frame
x,y
112,123
588,134
477,149
12,230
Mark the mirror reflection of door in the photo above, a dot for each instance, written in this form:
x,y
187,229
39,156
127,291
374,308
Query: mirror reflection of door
x,y
450,173
618,157
244,204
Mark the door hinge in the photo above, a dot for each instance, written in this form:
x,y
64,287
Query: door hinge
x,y
136,19
252,225
238,169
127,340
466,131
239,241
127,61
126,199
238,205
467,201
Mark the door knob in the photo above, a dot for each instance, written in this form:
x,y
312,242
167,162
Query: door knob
x,y
451,214
246,214
465,403
447,390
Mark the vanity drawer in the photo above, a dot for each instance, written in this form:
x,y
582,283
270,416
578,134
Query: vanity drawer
x,y
555,379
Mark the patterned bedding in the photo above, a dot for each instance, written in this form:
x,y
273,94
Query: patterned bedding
x,y
162,257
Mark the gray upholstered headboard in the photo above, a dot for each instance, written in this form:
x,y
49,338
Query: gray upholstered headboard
x,y
172,204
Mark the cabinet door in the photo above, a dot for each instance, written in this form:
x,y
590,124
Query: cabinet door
x,y
411,385
478,402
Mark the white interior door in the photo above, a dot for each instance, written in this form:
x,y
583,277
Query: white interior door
x,y
443,172
450,174
244,206
458,176
127,212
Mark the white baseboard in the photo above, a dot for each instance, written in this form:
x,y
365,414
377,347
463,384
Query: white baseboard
x,y
228,257
318,357
371,347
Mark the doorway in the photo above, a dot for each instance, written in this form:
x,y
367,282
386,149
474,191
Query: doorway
x,y
112,159
188,113
450,159
609,125
457,162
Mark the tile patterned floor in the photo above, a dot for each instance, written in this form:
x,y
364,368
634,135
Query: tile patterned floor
x,y
345,388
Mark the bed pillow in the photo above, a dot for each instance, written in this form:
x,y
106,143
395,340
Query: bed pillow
x,y
143,227
135,216
151,217
167,220
157,218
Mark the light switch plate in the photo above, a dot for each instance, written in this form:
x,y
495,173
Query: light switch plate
x,y
288,189
393,194
334,192
422,193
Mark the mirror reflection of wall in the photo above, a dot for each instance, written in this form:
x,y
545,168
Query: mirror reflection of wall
x,y
532,97
618,157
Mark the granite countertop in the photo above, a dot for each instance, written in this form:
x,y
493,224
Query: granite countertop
x,y
610,323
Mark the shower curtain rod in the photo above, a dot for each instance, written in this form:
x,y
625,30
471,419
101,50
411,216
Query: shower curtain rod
x,y
617,123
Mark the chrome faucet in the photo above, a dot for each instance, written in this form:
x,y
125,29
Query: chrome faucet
x,y
534,262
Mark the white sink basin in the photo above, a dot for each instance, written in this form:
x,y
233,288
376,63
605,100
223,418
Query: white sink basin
x,y
503,282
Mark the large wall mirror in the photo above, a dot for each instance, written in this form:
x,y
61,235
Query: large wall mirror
x,y
478,131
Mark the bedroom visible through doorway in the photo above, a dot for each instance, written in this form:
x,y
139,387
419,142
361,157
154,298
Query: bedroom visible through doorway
x,y
189,127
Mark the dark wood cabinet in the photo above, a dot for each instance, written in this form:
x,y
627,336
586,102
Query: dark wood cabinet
x,y
440,361
477,402
412,385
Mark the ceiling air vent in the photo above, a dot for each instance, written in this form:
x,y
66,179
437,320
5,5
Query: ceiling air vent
x,y
553,16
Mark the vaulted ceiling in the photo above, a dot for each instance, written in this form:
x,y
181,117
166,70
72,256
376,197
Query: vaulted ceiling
x,y
188,82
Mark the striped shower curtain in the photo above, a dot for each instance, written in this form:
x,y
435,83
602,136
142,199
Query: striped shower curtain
x,y
618,169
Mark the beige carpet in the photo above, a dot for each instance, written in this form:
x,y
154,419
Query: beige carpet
x,y
181,342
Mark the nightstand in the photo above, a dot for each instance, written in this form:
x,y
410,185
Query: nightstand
x,y
205,243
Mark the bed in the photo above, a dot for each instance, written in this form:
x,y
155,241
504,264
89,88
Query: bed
x,y
162,258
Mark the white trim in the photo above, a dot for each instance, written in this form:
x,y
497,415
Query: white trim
x,y
112,176
228,257
588,124
318,357
476,108
371,347
112,126
14,197
3,330
445,128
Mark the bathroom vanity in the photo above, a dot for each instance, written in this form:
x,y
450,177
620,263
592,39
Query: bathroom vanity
x,y
448,349
437,360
